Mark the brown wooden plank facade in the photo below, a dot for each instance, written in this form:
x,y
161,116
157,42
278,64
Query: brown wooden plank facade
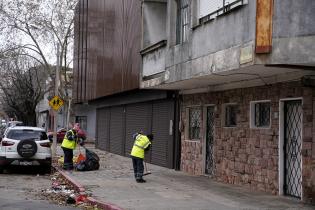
x,y
106,46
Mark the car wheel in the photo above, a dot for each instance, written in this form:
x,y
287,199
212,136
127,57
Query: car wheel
x,y
1,170
27,148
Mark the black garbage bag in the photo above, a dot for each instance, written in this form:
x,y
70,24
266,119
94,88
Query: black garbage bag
x,y
90,163
81,166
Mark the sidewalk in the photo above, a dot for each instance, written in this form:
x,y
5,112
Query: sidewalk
x,y
114,185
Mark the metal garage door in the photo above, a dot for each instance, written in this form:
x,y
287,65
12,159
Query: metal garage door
x,y
115,126
138,118
102,132
117,130
162,129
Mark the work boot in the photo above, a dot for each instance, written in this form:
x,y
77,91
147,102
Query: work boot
x,y
140,181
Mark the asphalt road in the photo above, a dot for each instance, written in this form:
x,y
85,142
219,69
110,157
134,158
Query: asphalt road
x,y
19,189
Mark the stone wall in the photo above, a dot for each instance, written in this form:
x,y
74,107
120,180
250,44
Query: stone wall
x,y
248,156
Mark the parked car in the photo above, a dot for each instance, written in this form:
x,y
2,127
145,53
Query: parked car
x,y
25,146
14,123
62,132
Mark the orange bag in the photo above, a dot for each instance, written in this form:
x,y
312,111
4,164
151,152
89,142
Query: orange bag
x,y
81,157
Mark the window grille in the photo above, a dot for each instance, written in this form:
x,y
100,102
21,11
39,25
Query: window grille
x,y
194,123
262,114
230,115
209,9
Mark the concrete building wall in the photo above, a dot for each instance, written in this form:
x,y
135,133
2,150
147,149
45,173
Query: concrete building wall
x,y
293,33
293,18
224,35
154,63
232,29
247,156
90,112
227,43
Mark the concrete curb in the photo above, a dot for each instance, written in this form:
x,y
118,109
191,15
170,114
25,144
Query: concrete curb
x,y
77,186
90,200
102,205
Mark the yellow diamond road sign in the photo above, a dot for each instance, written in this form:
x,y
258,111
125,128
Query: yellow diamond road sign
x,y
56,102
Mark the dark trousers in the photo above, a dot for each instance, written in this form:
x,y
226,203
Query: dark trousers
x,y
137,167
68,159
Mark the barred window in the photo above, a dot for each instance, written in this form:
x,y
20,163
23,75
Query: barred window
x,y
230,115
260,114
194,123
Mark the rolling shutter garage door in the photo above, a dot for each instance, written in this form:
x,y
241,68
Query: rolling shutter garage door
x,y
102,132
163,142
138,118
116,130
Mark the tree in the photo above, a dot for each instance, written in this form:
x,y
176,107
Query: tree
x,y
34,29
22,86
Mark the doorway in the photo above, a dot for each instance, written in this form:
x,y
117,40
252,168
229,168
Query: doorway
x,y
292,142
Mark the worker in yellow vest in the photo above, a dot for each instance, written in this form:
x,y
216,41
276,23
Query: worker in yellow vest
x,y
141,144
69,143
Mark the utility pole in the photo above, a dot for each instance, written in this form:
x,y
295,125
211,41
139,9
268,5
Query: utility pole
x,y
54,146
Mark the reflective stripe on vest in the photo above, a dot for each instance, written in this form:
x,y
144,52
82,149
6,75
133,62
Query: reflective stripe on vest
x,y
140,144
69,144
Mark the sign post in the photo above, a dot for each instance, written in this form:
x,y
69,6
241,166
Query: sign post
x,y
56,102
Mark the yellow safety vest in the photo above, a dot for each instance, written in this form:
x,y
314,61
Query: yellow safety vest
x,y
140,144
69,144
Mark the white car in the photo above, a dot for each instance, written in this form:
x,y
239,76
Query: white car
x,y
25,146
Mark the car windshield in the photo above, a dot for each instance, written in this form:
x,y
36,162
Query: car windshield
x,y
27,134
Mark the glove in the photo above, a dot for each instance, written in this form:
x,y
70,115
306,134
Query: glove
x,y
81,142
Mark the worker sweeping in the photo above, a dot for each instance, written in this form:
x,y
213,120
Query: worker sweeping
x,y
141,144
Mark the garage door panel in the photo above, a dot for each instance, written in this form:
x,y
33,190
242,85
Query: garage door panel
x,y
162,145
102,131
138,118
117,121
115,126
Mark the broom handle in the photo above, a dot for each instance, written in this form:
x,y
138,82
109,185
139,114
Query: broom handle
x,y
145,165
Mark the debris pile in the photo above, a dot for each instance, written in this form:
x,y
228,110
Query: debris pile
x,y
62,193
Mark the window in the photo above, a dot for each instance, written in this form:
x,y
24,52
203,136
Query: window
x,y
260,114
230,111
83,122
182,21
211,8
194,122
27,134
207,7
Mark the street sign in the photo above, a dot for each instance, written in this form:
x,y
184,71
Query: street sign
x,y
56,102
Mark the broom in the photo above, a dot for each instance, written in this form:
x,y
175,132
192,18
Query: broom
x,y
146,170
